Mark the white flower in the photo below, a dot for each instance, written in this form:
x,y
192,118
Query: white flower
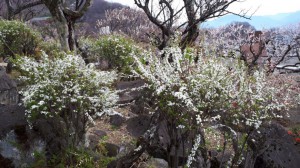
x,y
59,81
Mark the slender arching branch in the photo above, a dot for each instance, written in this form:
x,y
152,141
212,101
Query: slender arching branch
x,y
14,11
197,12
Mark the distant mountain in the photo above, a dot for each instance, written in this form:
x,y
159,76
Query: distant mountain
x,y
96,12
259,22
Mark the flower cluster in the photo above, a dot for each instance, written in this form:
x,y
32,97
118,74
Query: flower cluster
x,y
209,90
59,85
212,88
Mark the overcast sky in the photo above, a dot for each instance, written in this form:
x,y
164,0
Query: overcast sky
x,y
265,7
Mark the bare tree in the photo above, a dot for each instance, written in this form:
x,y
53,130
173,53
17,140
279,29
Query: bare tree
x,y
239,40
2,9
65,14
269,47
14,7
283,44
165,15
131,22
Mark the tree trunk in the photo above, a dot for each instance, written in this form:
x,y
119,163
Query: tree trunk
x,y
9,14
190,34
62,31
71,36
190,38
61,22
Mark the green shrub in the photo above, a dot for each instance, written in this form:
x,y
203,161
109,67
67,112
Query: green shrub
x,y
116,50
17,38
74,158
51,48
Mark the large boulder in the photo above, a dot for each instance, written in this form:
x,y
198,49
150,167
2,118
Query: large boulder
x,y
137,126
274,148
5,162
116,120
157,163
53,132
11,116
129,92
8,90
94,138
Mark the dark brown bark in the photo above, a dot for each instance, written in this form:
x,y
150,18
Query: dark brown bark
x,y
66,19
197,11
11,11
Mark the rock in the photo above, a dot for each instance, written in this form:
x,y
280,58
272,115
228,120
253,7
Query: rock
x,y
294,115
6,83
157,163
143,103
95,137
218,158
137,126
129,94
8,90
17,146
100,133
10,117
53,132
130,84
112,149
5,162
275,148
116,120
112,164
93,141
124,98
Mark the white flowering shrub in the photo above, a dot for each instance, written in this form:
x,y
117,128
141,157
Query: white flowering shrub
x,y
209,93
65,88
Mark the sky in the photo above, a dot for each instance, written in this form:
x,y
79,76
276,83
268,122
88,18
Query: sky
x,y
262,7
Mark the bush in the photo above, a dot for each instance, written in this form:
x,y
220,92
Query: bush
x,y
209,93
51,48
116,50
74,157
17,38
66,90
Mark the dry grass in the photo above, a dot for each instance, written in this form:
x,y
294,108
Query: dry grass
x,y
115,135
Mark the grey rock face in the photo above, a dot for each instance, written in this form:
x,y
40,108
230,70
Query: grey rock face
x,y
157,163
94,137
137,126
8,90
129,94
5,162
275,148
116,120
112,149
53,132
10,117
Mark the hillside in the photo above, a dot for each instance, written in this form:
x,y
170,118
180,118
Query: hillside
x,y
97,11
259,22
